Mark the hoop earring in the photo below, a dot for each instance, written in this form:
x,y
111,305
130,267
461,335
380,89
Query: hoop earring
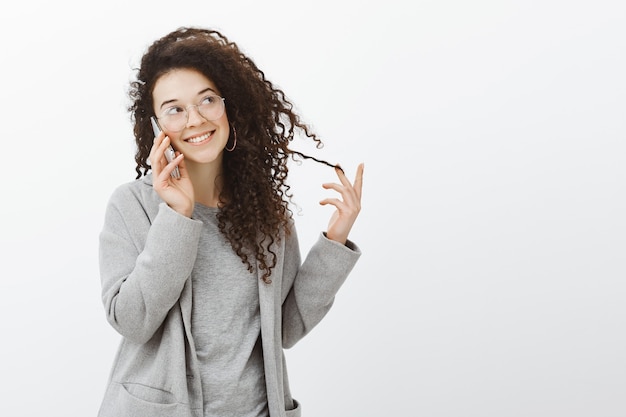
x,y
234,141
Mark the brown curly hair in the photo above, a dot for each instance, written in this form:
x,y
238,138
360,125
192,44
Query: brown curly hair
x,y
254,199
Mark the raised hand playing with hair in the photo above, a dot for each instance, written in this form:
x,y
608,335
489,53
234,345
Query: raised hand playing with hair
x,y
348,207
177,193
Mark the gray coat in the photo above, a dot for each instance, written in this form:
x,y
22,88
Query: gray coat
x,y
147,253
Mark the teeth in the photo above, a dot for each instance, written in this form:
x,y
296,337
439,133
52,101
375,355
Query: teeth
x,y
199,138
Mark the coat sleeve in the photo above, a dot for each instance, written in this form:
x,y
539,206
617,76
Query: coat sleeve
x,y
144,263
311,287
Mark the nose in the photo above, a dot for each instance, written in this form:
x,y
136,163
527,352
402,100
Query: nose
x,y
194,118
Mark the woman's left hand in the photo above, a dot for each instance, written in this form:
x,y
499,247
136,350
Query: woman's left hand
x,y
348,207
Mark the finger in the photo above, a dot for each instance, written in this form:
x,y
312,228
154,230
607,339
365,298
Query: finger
x,y
358,180
155,145
158,139
340,205
169,168
348,204
163,144
345,211
342,176
160,151
182,167
333,186
155,166
347,192
157,154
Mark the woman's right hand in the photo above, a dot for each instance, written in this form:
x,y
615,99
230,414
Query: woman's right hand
x,y
176,192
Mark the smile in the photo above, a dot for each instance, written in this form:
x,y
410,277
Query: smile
x,y
199,139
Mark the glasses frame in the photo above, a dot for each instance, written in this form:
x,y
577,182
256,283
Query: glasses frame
x,y
162,117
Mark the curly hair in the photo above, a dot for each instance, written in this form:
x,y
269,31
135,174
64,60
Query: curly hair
x,y
254,210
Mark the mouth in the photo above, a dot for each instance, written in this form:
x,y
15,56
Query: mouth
x,y
201,138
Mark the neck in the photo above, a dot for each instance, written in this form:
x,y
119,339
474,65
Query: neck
x,y
206,182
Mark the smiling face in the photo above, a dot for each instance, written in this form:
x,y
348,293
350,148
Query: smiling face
x,y
202,141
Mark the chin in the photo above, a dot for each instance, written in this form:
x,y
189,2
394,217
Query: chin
x,y
208,158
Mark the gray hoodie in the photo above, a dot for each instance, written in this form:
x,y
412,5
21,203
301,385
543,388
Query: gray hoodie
x,y
147,253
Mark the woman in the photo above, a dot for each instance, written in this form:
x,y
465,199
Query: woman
x,y
200,264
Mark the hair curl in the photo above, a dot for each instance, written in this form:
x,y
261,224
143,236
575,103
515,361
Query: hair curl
x,y
254,199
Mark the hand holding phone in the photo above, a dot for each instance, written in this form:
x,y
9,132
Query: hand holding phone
x,y
170,154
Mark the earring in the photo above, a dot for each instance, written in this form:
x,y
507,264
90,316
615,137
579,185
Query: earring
x,y
234,140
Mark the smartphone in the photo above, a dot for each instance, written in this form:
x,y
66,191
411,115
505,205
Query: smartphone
x,y
169,152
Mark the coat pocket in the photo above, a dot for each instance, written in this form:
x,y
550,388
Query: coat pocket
x,y
296,411
137,400
149,394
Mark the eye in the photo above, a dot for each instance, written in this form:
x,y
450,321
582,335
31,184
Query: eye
x,y
173,111
209,100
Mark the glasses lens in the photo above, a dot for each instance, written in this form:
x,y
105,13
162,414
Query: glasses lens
x,y
211,107
174,121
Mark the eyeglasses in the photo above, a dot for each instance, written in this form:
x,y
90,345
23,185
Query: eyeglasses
x,y
175,118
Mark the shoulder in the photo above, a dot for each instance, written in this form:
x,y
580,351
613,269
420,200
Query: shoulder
x,y
288,234
135,194
132,188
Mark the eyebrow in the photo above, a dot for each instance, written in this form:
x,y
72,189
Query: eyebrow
x,y
199,93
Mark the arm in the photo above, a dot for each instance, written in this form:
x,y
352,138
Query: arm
x,y
144,263
313,285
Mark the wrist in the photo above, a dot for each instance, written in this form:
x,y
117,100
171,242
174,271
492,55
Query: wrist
x,y
186,211
337,238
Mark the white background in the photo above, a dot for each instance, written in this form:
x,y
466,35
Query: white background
x,y
492,281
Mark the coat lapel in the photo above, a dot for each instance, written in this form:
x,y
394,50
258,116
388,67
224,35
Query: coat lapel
x,y
270,336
